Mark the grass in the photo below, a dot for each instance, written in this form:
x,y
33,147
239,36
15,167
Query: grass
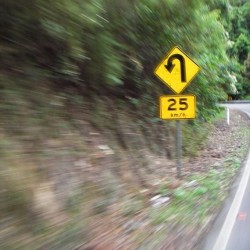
x,y
195,204
191,144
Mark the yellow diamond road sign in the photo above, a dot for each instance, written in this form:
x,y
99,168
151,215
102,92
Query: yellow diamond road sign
x,y
176,70
177,107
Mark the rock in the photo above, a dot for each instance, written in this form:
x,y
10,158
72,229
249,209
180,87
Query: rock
x,y
193,183
158,200
94,133
46,205
82,163
106,149
217,154
216,165
130,226
145,191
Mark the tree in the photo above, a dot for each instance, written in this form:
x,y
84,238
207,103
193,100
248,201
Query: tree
x,y
112,48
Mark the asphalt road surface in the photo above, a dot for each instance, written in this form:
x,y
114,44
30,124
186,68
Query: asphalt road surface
x,y
239,105
231,230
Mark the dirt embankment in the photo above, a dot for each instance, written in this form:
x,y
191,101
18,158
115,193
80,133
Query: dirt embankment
x,y
73,187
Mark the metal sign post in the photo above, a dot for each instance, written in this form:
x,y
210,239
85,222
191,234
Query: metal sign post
x,y
179,148
228,116
177,70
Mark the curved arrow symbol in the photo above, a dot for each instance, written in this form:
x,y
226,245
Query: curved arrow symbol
x,y
170,66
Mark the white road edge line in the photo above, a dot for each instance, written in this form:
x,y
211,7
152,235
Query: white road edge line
x,y
227,227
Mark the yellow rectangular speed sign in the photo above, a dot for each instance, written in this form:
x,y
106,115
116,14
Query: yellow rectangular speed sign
x,y
177,107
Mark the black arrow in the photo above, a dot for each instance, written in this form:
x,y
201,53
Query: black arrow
x,y
170,66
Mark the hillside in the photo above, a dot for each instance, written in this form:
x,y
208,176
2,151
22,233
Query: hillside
x,y
76,173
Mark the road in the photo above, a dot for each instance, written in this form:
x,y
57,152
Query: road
x,y
231,230
239,105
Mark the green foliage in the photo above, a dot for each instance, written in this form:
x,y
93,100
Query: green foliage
x,y
200,130
238,30
242,47
180,193
163,191
246,74
112,48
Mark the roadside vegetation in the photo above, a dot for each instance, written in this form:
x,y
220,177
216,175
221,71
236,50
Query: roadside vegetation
x,y
83,152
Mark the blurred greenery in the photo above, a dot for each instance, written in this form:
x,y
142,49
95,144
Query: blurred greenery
x,y
110,48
